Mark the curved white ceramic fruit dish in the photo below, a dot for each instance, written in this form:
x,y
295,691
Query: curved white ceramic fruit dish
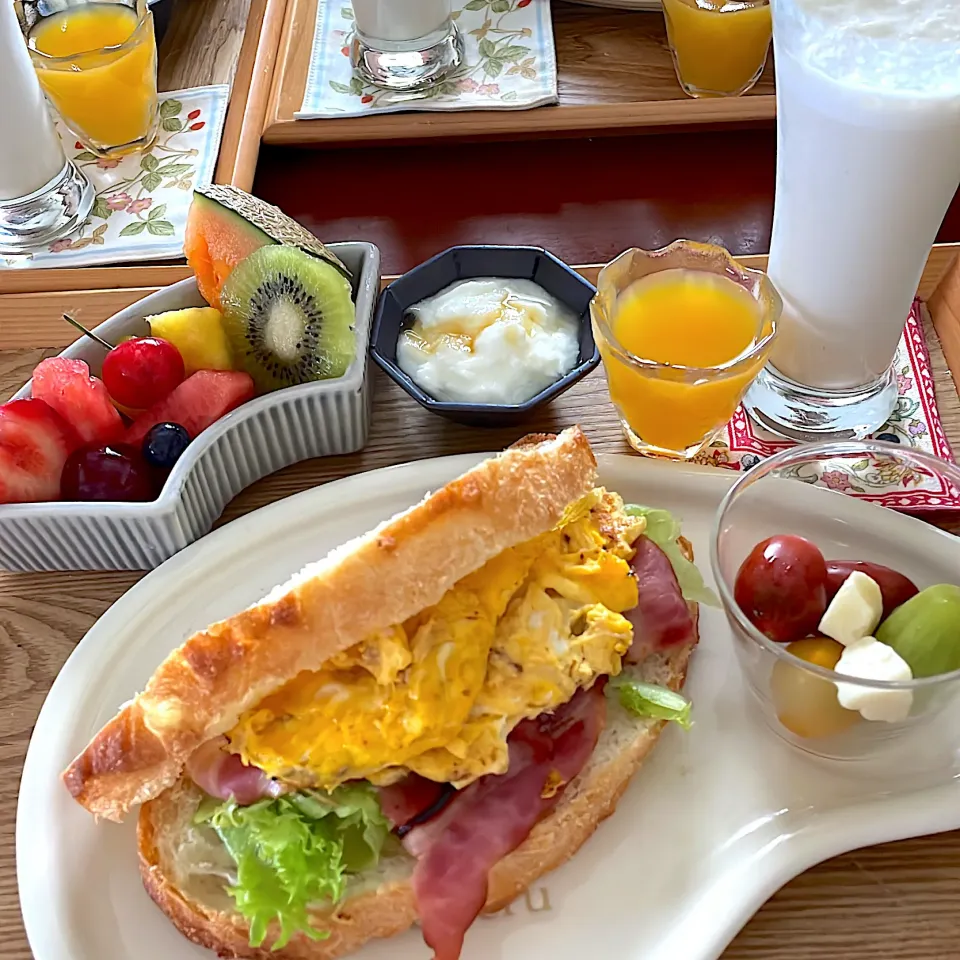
x,y
259,437
718,818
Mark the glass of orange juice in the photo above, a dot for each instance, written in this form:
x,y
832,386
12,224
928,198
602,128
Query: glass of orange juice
x,y
683,331
719,47
97,63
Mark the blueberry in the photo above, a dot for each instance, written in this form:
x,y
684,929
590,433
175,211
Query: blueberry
x,y
164,445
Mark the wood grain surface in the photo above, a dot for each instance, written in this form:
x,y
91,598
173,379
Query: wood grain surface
x,y
202,43
614,71
897,901
945,308
27,319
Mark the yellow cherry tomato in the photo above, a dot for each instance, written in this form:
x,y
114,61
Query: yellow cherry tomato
x,y
806,704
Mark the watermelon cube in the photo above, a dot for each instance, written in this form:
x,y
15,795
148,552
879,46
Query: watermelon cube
x,y
82,400
198,402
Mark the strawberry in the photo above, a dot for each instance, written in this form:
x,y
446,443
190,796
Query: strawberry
x,y
35,442
198,402
82,400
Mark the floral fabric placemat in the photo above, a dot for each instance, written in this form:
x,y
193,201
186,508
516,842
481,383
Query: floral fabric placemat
x,y
140,211
509,64
915,422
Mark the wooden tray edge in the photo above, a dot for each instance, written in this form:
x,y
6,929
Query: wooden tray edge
x,y
32,318
246,115
944,307
647,115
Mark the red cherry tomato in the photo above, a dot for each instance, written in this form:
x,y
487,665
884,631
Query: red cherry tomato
x,y
894,587
781,588
141,372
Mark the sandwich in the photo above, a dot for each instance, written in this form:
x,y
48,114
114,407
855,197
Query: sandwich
x,y
414,728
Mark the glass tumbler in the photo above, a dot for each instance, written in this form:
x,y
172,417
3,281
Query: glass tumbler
x,y
97,63
868,162
719,47
43,196
405,45
670,409
801,491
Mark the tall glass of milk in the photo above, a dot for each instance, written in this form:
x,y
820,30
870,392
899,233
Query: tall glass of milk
x,y
868,160
405,45
42,195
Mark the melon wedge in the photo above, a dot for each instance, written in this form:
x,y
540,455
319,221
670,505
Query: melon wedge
x,y
225,225
216,240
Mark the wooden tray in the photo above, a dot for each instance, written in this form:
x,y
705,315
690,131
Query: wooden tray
x,y
614,73
33,318
206,42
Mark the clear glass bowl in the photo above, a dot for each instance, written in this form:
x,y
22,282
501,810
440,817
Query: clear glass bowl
x,y
786,495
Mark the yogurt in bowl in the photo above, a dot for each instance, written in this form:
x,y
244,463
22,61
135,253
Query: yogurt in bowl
x,y
489,340
505,328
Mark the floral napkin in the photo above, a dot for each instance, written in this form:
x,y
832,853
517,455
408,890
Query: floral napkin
x,y
915,422
140,210
509,64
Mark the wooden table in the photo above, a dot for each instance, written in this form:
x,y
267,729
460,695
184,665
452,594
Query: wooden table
x,y
896,901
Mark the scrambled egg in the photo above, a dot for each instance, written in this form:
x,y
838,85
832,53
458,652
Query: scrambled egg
x,y
439,694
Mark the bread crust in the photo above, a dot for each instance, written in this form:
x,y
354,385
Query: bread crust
x,y
585,803
203,687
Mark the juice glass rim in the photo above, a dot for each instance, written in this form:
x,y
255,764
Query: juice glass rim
x,y
734,271
140,7
806,452
736,5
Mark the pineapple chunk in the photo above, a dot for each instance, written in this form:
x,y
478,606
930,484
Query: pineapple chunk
x,y
197,332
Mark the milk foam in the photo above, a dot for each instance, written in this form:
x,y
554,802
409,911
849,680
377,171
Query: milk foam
x,y
904,47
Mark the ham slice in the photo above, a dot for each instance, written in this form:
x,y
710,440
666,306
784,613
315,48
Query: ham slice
x,y
225,776
413,800
661,617
494,815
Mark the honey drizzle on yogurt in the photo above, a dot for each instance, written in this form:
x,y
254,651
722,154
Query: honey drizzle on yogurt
x,y
489,341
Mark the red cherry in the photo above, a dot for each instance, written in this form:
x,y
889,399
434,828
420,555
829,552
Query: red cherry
x,y
106,473
193,114
140,372
198,126
781,587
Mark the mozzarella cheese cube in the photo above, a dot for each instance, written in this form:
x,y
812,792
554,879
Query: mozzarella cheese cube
x,y
855,611
869,659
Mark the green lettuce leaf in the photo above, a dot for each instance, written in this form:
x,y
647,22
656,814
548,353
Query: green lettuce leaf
x,y
295,851
651,700
664,529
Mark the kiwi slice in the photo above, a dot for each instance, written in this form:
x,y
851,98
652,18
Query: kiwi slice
x,y
289,318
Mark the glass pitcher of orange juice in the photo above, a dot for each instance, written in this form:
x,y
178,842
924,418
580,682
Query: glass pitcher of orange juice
x,y
97,63
683,331
719,47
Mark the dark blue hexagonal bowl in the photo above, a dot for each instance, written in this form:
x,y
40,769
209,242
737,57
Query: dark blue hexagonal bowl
x,y
473,262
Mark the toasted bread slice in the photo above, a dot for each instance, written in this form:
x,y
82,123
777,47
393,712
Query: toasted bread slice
x,y
382,904
203,687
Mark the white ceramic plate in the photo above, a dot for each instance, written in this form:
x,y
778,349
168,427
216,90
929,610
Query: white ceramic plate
x,y
717,820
